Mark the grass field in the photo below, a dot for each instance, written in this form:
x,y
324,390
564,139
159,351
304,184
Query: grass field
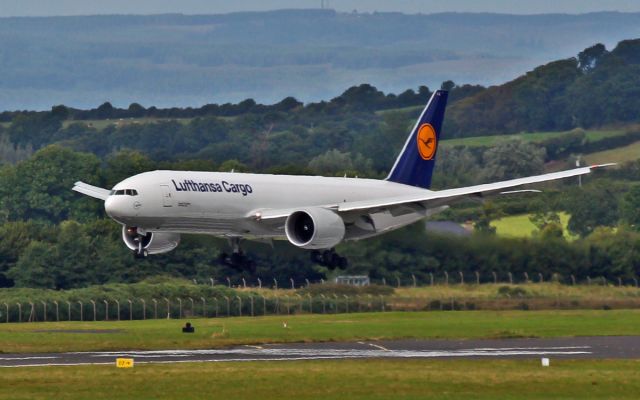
x,y
617,155
220,332
345,379
521,226
534,137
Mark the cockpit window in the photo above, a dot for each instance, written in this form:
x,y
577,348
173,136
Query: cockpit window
x,y
124,192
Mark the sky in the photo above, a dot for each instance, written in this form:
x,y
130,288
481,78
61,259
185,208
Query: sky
x,y
10,8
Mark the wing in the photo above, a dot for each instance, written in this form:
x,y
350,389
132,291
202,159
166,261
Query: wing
x,y
92,191
434,198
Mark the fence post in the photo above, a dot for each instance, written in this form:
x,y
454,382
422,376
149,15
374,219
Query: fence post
x,y
81,311
179,308
573,280
335,297
31,316
310,303
239,306
292,283
228,306
130,309
446,278
7,307
431,278
215,305
306,281
510,277
213,281
324,304
397,281
275,283
244,283
461,277
540,277
93,303
264,305
526,277
193,306
259,283
619,281
155,308
204,307
477,278
19,312
415,283
106,310
495,277
299,302
382,303
588,280
321,281
44,309
168,307
251,302
228,282
144,309
635,281
69,310
118,308
384,281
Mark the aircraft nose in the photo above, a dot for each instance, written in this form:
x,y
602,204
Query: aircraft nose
x,y
113,207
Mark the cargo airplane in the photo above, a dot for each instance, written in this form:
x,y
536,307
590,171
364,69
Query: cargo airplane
x,y
311,212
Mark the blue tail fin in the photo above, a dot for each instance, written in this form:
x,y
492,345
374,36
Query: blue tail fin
x,y
415,163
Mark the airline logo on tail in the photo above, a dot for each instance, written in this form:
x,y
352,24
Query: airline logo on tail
x,y
427,141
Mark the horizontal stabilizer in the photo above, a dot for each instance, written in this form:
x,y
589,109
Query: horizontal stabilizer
x,y
90,190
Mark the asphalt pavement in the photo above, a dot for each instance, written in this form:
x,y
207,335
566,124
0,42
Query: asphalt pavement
x,y
620,347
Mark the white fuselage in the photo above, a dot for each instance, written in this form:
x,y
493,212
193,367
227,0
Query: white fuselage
x,y
224,204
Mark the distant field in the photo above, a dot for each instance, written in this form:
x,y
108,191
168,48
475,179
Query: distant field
x,y
618,155
221,332
521,226
331,379
534,137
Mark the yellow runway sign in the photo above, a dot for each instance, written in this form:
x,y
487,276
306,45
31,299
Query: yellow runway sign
x,y
124,362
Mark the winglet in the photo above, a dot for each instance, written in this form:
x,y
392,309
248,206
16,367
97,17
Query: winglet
x,y
90,190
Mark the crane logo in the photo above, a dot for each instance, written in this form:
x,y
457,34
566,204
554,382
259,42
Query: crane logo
x,y
427,141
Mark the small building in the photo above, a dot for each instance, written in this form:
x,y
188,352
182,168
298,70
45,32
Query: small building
x,y
353,280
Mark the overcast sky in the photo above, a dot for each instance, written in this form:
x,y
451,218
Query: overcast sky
x,y
88,7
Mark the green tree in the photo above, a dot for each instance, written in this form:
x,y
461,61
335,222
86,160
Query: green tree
x,y
630,208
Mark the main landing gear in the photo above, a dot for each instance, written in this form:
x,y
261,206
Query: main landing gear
x,y
237,259
329,259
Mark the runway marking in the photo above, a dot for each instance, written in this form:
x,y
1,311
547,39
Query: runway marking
x,y
253,353
254,346
377,346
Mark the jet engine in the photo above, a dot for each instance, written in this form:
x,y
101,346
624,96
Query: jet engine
x,y
149,242
314,228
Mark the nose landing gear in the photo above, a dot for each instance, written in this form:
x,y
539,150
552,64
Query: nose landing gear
x,y
138,241
329,259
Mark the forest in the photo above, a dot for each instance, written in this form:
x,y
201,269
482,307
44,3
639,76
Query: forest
x,y
51,237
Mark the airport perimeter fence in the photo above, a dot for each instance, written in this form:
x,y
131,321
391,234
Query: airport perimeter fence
x,y
256,305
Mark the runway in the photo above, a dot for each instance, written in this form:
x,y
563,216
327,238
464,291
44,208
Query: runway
x,y
582,347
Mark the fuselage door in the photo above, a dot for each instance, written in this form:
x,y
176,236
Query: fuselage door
x,y
167,198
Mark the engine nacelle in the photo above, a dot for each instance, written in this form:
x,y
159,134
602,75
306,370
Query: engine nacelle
x,y
314,228
152,242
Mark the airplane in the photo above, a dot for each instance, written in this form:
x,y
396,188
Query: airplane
x,y
312,212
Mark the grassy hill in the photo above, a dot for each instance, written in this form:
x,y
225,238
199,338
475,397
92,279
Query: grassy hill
x,y
521,226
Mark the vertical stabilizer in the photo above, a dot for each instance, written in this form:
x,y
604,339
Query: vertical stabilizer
x,y
414,166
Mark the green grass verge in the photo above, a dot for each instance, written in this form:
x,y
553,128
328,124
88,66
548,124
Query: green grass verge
x,y
617,155
212,333
345,379
521,226
533,137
